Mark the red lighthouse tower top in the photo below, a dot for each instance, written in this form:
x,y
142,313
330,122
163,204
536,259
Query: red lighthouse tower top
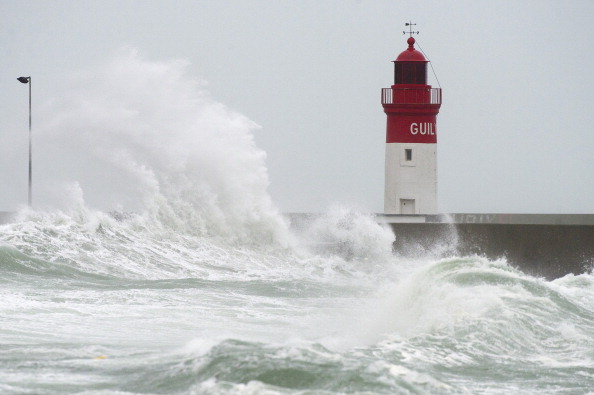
x,y
411,54
410,101
410,67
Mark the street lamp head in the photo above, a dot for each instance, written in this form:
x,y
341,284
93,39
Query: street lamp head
x,y
24,80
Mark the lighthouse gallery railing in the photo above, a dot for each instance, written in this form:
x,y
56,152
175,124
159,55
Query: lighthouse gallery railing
x,y
411,95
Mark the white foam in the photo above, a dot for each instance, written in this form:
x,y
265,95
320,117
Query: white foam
x,y
144,136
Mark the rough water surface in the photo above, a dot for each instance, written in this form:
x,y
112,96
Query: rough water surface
x,y
116,308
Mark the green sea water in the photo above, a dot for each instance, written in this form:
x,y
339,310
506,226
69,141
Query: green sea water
x,y
93,305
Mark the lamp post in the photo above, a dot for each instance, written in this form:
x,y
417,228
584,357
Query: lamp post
x,y
27,80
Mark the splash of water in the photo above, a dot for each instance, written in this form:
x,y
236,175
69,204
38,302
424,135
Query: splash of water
x,y
142,136
350,234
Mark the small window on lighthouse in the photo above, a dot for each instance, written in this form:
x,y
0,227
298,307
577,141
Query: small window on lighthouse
x,y
408,154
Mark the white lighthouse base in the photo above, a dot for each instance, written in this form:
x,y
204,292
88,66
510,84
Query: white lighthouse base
x,y
411,178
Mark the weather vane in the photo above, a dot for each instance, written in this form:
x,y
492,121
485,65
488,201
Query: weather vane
x,y
410,26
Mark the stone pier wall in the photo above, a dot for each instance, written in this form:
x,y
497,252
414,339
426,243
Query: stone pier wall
x,y
545,250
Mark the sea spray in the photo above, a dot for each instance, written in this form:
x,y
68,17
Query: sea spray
x,y
348,233
146,140
144,136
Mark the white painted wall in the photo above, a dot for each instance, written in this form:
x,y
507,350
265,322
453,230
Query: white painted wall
x,y
415,179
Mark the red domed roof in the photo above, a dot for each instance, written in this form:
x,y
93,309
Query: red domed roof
x,y
411,54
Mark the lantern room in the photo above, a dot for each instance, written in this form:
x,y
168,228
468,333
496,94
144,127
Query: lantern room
x,y
410,67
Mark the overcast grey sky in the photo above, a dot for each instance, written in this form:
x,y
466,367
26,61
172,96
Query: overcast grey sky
x,y
514,130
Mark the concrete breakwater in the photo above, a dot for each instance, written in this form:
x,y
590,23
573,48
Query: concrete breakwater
x,y
545,245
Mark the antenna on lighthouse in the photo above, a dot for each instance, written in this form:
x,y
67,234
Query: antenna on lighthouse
x,y
410,26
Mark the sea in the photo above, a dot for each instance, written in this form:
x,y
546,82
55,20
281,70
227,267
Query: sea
x,y
154,261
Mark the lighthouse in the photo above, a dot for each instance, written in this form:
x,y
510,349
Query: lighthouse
x,y
411,107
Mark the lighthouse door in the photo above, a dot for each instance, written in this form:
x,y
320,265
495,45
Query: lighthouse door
x,y
407,206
